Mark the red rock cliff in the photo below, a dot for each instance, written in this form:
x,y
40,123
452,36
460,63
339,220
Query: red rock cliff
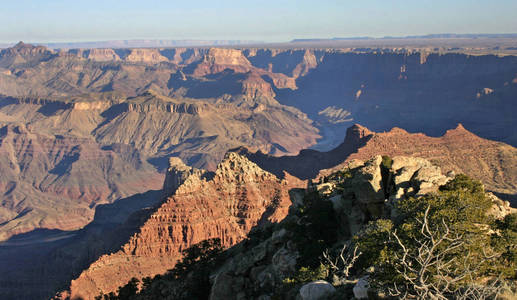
x,y
225,204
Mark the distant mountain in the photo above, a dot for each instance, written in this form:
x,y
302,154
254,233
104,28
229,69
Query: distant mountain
x,y
427,36
462,36
147,43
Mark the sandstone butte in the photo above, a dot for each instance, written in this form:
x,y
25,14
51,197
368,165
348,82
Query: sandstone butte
x,y
218,60
225,204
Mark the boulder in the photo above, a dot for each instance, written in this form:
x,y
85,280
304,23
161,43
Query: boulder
x,y
427,179
325,188
284,262
367,182
226,287
499,207
316,290
408,161
361,288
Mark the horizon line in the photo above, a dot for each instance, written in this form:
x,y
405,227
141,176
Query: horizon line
x,y
444,35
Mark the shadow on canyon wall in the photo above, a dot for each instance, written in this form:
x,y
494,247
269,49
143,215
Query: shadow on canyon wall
x,y
37,264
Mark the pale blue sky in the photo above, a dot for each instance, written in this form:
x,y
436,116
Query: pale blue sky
x,y
279,20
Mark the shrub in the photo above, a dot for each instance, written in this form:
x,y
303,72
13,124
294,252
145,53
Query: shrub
x,y
317,231
387,162
440,243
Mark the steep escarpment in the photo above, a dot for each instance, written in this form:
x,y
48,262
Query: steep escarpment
x,y
224,204
386,89
233,61
96,54
217,60
458,150
290,62
145,55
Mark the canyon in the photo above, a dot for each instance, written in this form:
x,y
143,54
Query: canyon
x,y
241,195
243,192
120,155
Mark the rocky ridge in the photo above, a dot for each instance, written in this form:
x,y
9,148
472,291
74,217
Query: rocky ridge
x,y
259,271
458,150
225,204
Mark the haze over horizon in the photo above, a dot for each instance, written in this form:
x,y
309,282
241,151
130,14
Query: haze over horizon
x,y
270,21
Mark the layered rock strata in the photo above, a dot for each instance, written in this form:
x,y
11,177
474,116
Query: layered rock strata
x,y
224,204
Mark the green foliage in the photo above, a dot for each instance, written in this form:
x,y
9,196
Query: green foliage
x,y
317,231
302,276
387,162
461,203
307,274
505,241
457,211
126,292
462,182
373,242
339,175
200,254
129,290
510,222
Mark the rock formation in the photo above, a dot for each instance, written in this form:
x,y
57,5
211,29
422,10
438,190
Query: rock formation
x,y
146,55
458,150
79,127
53,182
115,139
217,60
258,270
96,54
226,204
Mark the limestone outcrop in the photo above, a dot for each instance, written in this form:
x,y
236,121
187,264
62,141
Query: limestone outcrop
x,y
146,56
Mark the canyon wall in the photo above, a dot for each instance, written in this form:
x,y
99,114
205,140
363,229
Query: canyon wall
x,y
224,204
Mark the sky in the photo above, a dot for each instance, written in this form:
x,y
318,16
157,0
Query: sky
x,y
265,20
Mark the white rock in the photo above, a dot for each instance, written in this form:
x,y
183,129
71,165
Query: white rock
x,y
316,290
